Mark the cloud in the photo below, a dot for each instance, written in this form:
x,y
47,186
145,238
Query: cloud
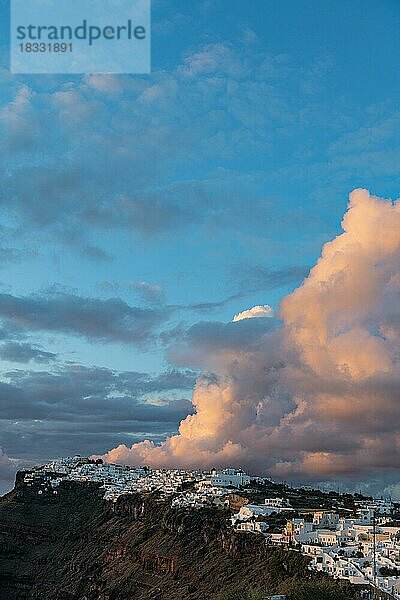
x,y
206,343
247,35
74,394
8,468
73,408
211,106
254,313
214,58
111,320
316,397
149,214
23,353
204,307
109,84
257,277
249,279
173,23
108,286
13,255
149,292
337,317
367,138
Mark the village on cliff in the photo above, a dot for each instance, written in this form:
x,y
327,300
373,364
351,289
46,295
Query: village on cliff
x,y
346,536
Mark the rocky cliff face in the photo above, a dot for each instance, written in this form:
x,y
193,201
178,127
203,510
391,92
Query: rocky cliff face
x,y
73,545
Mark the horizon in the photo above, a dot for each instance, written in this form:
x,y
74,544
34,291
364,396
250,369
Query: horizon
x,y
222,470
324,487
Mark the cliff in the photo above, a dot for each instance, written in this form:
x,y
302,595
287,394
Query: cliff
x,y
73,545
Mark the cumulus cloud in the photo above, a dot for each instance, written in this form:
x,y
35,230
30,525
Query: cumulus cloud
x,y
316,397
254,313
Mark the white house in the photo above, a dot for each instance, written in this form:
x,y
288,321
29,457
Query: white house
x,y
229,477
253,526
276,502
250,511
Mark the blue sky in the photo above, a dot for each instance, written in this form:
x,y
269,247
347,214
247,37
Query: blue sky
x,y
157,202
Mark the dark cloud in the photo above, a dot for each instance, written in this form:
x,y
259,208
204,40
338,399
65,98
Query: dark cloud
x,y
168,380
207,338
226,336
67,200
109,320
24,352
76,408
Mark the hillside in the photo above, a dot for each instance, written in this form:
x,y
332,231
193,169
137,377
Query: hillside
x,y
76,546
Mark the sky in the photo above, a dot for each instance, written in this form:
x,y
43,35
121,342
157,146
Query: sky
x,y
143,217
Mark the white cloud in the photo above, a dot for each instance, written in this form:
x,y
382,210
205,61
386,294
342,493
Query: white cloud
x,y
256,312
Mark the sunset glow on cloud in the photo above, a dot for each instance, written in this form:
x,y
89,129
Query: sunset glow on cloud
x,y
317,397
